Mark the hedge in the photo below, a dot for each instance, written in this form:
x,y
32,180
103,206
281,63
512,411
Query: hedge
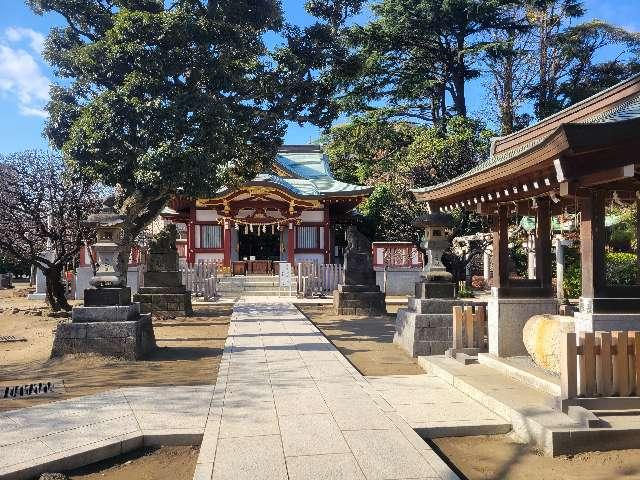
x,y
621,269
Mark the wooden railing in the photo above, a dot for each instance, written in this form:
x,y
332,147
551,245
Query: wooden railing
x,y
314,278
201,278
469,327
603,364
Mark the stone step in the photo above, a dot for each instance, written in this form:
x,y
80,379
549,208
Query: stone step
x,y
259,293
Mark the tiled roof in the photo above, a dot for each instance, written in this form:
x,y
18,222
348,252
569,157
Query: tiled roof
x,y
627,110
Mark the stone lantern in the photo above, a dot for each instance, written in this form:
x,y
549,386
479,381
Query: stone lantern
x,y
108,323
436,281
109,288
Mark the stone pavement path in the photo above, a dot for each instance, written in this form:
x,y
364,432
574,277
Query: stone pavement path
x,y
435,409
288,405
63,435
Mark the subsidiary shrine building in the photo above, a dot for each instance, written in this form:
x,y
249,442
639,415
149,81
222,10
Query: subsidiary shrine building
x,y
288,214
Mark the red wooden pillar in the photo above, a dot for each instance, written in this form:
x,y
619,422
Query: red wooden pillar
x,y
291,244
226,245
191,236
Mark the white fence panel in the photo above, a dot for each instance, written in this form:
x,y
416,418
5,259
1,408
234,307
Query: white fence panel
x,y
318,279
201,279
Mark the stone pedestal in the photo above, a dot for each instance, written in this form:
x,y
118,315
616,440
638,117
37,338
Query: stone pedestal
x,y
117,331
358,300
359,294
163,291
425,327
506,319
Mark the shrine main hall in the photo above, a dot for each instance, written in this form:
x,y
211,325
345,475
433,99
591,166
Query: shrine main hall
x,y
288,214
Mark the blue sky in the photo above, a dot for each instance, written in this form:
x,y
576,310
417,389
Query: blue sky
x,y
25,77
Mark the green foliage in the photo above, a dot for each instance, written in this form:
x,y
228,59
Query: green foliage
x,y
622,234
572,273
395,157
415,54
621,269
518,258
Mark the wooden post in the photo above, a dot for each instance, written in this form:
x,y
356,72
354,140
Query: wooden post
x,y
559,270
603,364
592,243
291,244
568,354
631,358
468,323
226,245
457,327
621,365
543,242
479,327
636,349
589,363
637,237
500,230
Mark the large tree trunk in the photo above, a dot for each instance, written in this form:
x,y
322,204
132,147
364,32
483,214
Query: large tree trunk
x,y
140,211
56,294
507,113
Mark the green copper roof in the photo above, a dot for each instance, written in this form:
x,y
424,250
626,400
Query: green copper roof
x,y
628,110
307,174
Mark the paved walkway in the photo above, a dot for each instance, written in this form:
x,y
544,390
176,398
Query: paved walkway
x,y
288,405
63,435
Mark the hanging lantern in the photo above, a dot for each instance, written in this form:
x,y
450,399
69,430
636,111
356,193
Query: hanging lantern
x,y
264,228
273,229
236,226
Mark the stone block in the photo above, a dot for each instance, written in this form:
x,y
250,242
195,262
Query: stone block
x,y
130,340
163,279
111,330
428,290
358,288
102,297
506,320
162,262
105,314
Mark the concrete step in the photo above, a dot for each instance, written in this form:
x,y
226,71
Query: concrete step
x,y
529,410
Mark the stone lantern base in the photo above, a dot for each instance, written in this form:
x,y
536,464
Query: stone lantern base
x,y
112,330
359,300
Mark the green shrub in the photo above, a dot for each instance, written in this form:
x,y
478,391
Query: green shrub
x,y
572,273
621,269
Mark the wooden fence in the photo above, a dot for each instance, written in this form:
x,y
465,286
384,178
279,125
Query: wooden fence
x,y
603,364
201,278
469,327
314,278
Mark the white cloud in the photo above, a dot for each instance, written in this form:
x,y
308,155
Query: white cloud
x,y
18,34
21,76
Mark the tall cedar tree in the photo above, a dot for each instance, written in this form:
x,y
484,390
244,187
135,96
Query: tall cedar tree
x,y
43,207
416,54
165,97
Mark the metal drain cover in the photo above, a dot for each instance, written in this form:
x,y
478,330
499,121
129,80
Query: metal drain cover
x,y
11,338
